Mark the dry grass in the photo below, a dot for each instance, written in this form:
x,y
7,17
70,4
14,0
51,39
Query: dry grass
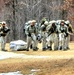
x,y
47,66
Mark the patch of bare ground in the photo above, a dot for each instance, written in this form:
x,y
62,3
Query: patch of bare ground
x,y
47,66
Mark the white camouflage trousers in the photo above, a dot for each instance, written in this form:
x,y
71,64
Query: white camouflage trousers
x,y
62,41
44,41
67,40
31,40
2,41
52,39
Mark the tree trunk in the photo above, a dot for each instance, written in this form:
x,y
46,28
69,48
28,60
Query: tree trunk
x,y
17,12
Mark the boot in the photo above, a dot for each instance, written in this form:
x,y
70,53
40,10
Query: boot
x,y
35,49
50,48
31,46
4,50
44,49
67,48
60,48
27,49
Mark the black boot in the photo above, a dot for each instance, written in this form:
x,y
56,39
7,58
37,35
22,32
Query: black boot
x,y
55,49
35,49
49,47
44,49
4,50
31,46
67,48
60,48
27,49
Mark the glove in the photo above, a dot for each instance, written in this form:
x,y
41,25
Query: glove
x,y
3,34
24,30
44,28
6,31
66,34
29,34
62,31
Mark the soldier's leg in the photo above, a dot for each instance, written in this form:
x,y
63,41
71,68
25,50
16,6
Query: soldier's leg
x,y
60,42
29,41
1,38
49,39
31,46
50,45
38,40
37,44
67,42
34,42
3,43
63,44
55,42
44,45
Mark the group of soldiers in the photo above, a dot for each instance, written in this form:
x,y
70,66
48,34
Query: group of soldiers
x,y
3,32
54,35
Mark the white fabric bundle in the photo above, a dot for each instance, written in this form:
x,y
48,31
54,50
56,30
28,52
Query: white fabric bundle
x,y
18,45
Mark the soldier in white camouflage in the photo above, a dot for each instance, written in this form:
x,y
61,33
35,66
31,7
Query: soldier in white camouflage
x,y
70,32
44,35
31,36
62,32
3,32
52,35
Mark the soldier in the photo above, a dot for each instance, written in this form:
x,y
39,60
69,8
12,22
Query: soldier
x,y
38,34
44,35
62,32
31,36
70,31
3,32
26,26
52,35
43,20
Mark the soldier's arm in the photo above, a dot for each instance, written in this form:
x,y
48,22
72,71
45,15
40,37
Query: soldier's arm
x,y
27,30
0,29
6,30
71,28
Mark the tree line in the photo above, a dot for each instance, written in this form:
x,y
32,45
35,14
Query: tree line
x,y
17,12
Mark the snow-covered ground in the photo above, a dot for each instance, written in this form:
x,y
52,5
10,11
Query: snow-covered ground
x,y
6,55
12,73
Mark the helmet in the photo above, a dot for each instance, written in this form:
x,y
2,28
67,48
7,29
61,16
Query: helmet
x,y
62,21
46,23
33,22
3,22
44,19
53,21
29,22
67,22
58,22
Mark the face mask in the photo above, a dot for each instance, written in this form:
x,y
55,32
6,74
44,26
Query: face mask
x,y
32,25
3,26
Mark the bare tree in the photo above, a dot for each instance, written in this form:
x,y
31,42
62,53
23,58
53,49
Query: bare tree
x,y
17,12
